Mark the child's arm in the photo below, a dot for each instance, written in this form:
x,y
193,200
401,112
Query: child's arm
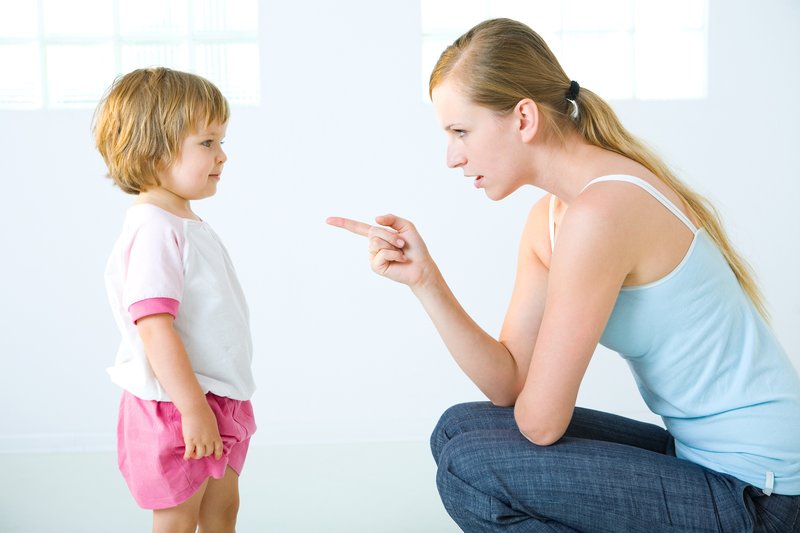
x,y
170,363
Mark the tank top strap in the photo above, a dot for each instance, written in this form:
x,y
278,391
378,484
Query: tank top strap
x,y
551,222
655,193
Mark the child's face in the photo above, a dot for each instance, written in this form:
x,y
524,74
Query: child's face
x,y
198,167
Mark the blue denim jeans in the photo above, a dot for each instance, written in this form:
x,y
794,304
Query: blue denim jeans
x,y
607,474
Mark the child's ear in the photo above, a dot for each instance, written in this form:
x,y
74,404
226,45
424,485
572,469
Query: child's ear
x,y
527,117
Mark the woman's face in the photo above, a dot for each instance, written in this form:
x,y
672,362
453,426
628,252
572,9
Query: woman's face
x,y
479,141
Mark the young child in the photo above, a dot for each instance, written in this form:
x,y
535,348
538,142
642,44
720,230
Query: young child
x,y
185,418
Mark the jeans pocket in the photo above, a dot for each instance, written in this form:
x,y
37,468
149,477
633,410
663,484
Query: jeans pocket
x,y
777,513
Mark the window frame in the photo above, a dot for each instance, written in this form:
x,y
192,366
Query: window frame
x,y
43,43
558,36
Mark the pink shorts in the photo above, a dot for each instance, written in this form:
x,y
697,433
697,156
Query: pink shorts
x,y
150,448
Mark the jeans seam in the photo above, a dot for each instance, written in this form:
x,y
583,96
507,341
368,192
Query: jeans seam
x,y
713,501
796,521
664,500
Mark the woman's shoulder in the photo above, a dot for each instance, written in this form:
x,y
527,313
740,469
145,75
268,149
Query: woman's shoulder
x,y
536,232
629,199
594,211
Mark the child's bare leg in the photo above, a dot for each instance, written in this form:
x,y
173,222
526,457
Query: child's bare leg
x,y
220,504
181,518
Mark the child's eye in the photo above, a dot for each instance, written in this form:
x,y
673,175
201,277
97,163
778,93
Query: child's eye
x,y
459,133
207,144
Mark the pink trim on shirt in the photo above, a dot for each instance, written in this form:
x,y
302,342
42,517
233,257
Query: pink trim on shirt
x,y
153,306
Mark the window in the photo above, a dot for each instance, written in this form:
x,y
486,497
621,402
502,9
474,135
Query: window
x,y
57,54
620,49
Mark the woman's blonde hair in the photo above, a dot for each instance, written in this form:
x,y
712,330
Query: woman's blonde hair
x,y
500,62
143,118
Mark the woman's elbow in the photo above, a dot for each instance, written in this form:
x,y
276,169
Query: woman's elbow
x,y
502,401
503,397
541,438
535,429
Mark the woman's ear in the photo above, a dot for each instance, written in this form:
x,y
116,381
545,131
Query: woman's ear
x,y
527,114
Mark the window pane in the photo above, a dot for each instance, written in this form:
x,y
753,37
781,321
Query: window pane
x,y
18,19
544,16
143,17
225,15
670,65
233,68
592,15
62,53
601,62
133,56
24,88
614,47
675,14
452,16
431,50
78,74
77,17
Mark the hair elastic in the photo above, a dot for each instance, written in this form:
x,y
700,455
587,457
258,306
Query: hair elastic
x,y
572,92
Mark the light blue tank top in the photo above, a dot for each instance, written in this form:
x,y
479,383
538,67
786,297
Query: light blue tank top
x,y
705,360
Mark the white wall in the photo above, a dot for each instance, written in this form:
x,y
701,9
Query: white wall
x,y
341,354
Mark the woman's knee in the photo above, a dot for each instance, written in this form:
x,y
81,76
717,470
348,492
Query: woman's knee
x,y
465,483
453,422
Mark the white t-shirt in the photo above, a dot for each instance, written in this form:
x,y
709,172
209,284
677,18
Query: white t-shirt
x,y
160,257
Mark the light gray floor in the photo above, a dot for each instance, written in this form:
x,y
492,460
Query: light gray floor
x,y
352,488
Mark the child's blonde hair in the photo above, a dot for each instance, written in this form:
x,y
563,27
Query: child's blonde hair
x,y
500,62
145,115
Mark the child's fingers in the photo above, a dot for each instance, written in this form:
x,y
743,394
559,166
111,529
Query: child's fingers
x,y
198,451
204,450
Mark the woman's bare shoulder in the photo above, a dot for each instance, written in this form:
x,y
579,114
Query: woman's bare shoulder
x,y
536,233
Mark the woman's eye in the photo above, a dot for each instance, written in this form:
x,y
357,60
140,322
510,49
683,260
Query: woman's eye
x,y
460,133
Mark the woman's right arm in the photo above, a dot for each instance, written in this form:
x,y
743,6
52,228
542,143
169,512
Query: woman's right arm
x,y
498,368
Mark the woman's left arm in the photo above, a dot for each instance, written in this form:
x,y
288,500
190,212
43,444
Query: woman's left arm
x,y
593,255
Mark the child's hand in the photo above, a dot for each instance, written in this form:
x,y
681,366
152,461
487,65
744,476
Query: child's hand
x,y
396,249
201,434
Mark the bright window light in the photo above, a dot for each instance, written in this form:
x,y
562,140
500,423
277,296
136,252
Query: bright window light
x,y
66,54
620,49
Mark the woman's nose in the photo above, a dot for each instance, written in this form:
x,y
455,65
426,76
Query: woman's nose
x,y
455,158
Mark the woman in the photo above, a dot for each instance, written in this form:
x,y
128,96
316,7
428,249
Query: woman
x,y
622,253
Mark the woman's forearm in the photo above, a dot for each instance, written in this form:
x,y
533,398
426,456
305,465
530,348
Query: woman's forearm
x,y
485,360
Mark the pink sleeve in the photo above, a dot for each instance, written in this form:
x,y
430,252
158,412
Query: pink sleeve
x,y
153,306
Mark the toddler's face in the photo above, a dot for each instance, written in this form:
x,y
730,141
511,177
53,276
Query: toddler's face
x,y
197,169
